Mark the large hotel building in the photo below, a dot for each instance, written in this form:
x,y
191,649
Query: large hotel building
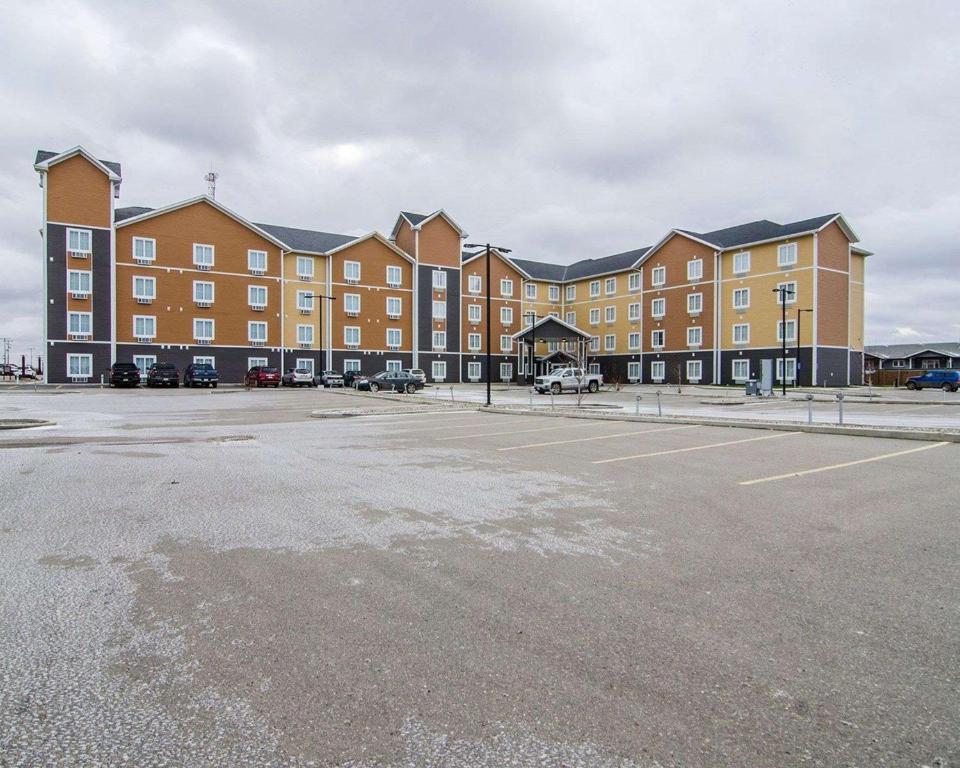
x,y
196,282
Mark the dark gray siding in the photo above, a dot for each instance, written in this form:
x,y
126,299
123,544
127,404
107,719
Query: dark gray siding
x,y
57,266
856,368
230,362
371,362
674,359
57,352
425,309
481,358
832,367
756,355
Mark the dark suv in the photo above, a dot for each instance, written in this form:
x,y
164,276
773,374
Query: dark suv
x,y
949,381
124,375
200,374
163,375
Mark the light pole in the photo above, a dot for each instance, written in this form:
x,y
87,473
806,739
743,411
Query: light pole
x,y
799,342
489,319
783,291
320,296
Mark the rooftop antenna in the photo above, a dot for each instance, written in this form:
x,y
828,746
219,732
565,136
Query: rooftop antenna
x,y
211,179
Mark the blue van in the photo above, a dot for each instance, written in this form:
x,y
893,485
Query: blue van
x,y
945,380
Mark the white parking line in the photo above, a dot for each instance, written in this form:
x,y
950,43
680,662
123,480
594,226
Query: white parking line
x,y
844,464
696,447
476,422
598,437
508,432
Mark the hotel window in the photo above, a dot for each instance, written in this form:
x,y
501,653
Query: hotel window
x,y
658,275
439,339
205,360
202,329
633,371
394,366
394,337
79,242
79,366
570,318
694,336
253,362
741,298
506,315
307,362
695,269
610,342
531,289
79,323
633,281
351,336
439,310
594,289
351,304
257,331
633,312
657,339
305,267
553,292
633,340
474,284
144,363
594,343
203,256
694,370
741,369
257,295
473,342
145,288
506,371
791,330
351,365
394,276
657,370
79,281
202,292
473,313
506,343
694,303
787,255
571,292
595,316
610,286
439,280
506,288
257,262
144,249
791,368
593,368
741,333
144,327
304,335
473,371
741,263
610,314
438,370
790,293
351,271
658,307
394,306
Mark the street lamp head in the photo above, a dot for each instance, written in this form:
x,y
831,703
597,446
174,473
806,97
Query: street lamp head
x,y
486,245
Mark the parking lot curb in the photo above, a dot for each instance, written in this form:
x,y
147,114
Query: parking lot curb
x,y
780,426
24,423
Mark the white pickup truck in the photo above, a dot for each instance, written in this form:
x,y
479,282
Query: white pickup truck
x,y
568,380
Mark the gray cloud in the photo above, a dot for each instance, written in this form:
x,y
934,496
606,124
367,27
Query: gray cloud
x,y
562,130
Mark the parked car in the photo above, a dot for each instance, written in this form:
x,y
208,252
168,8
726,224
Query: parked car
x,y
417,372
262,376
27,372
163,375
352,378
200,374
949,381
331,379
298,377
396,381
9,369
568,380
124,375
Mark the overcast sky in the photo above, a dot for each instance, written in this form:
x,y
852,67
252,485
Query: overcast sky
x,y
563,130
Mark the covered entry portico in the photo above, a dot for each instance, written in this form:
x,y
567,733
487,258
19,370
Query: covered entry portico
x,y
548,343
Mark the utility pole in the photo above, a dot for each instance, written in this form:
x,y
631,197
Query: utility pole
x,y
7,346
489,319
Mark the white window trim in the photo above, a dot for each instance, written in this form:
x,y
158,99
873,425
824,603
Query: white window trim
x,y
89,280
305,327
204,320
736,363
85,358
734,333
690,269
787,248
571,292
790,299
251,267
347,266
694,364
506,315
474,284
659,301
695,330
508,346
433,310
81,314
734,298
744,256
633,340
506,287
699,309
213,290
399,310
151,335
398,271
250,291
610,286
663,338
530,291
89,237
346,331
213,255
149,280
661,272
594,289
658,370
250,326
348,298
398,332
153,249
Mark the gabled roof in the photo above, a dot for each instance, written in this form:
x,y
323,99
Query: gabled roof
x,y
595,267
765,230
541,270
550,320
376,236
468,256
45,159
413,218
418,220
120,214
307,240
901,351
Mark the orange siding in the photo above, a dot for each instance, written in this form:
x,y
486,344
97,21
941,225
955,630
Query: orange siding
x,y
78,193
439,244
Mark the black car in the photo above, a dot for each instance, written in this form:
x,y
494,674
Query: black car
x,y
352,378
200,375
163,375
124,375
395,381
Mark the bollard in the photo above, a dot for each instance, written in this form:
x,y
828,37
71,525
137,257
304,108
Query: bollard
x,y
659,409
551,398
451,393
636,406
101,381
840,408
809,409
531,397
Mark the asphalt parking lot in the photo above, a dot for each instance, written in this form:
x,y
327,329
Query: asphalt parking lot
x,y
194,578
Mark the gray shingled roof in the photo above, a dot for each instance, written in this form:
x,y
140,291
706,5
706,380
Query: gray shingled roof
x,y
45,154
901,351
307,239
615,263
414,218
541,270
756,231
129,212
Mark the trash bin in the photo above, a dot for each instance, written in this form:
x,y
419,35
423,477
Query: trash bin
x,y
752,388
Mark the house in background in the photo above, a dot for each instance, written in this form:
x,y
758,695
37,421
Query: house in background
x,y
911,357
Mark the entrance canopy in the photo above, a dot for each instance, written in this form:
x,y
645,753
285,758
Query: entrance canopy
x,y
551,328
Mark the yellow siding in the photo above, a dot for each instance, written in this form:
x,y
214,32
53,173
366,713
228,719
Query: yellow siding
x,y
764,312
763,258
856,316
291,316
